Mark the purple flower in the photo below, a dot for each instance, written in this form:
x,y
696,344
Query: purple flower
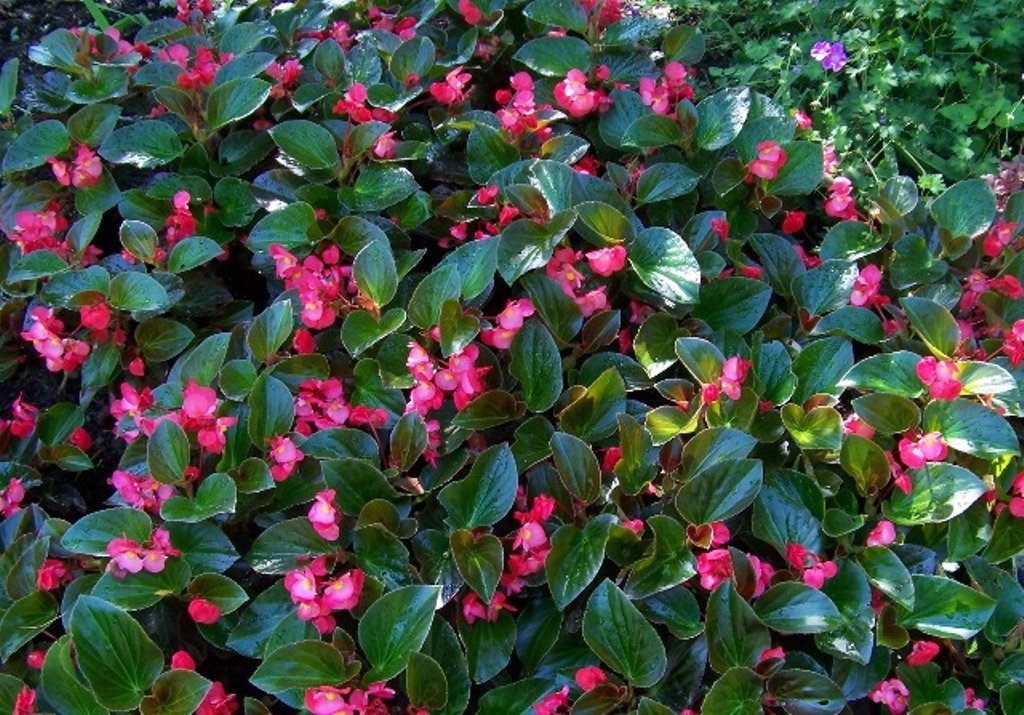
x,y
831,55
821,49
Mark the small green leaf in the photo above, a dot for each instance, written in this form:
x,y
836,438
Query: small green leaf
x,y
167,452
723,490
375,273
575,558
621,637
144,144
309,144
306,664
479,559
41,141
592,416
235,99
395,626
486,495
945,608
666,265
720,118
577,466
793,607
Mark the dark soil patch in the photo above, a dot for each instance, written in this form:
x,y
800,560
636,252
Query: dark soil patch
x,y
24,22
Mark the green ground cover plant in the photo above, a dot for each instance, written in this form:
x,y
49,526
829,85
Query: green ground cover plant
x,y
931,89
476,357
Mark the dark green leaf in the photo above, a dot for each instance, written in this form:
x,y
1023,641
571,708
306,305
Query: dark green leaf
x,y
621,637
394,626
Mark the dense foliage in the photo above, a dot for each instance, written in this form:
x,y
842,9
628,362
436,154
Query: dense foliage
x,y
931,87
476,357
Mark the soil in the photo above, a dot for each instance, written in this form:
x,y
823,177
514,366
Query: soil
x,y
23,22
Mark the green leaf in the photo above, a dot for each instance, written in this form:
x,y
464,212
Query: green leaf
x,y
361,330
668,564
536,363
946,609
805,692
357,483
375,273
802,171
819,428
577,466
219,590
279,548
737,692
662,182
425,682
793,607
554,56
621,637
936,325
575,558
558,13
888,574
866,462
9,85
287,226
665,264
850,240
971,428
721,491
939,493
270,330
413,57
850,591
139,239
592,416
890,373
192,252
720,118
440,285
394,626
143,589
216,495
982,378
33,147
235,99
560,312
91,534
479,559
307,143
144,144
652,131
965,209
736,637
176,692
825,288
889,414
271,410
486,495
61,685
701,358
457,328
488,645
24,620
58,422
140,292
167,452
603,224
492,408
114,653
487,151
733,303
380,187
306,664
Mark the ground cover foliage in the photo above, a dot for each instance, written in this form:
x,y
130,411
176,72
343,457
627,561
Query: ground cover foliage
x,y
448,358
928,88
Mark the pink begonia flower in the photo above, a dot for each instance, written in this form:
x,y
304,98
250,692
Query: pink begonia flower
x,y
1017,496
940,377
855,425
590,677
127,555
286,457
840,203
928,448
734,372
883,534
453,89
999,237
11,497
203,611
764,572
531,536
51,574
714,567
776,653
770,158
866,286
558,701
573,95
342,594
793,221
324,515
922,653
181,660
327,700
301,585
606,261
891,693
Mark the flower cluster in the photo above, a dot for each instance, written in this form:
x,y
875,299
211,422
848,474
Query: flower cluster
x,y
770,158
832,55
128,556
730,382
324,284
317,596
509,322
562,267
61,354
329,700
83,172
460,377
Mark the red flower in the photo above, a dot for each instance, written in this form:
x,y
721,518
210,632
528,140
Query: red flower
x,y
202,611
